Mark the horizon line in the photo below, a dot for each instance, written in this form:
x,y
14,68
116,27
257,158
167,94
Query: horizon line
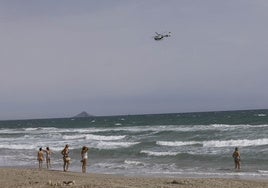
x,y
93,116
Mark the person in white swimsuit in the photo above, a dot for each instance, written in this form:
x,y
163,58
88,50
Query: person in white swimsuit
x,y
48,156
84,158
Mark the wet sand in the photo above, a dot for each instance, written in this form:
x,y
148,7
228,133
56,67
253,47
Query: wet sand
x,y
21,177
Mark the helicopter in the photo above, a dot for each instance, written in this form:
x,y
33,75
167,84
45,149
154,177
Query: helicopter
x,y
159,36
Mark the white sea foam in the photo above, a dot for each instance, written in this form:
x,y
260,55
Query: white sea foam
x,y
225,127
217,143
155,128
161,128
31,129
10,131
263,171
113,145
101,137
92,137
18,146
261,115
74,137
233,143
154,153
136,163
212,174
259,126
177,143
41,129
181,128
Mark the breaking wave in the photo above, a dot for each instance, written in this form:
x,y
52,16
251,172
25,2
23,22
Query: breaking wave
x,y
93,137
154,153
217,143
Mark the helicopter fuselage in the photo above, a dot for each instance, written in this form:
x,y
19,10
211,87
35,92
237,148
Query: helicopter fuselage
x,y
158,37
161,36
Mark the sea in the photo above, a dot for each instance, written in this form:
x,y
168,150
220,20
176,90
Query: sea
x,y
159,145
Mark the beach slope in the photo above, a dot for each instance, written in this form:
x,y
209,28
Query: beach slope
x,y
14,177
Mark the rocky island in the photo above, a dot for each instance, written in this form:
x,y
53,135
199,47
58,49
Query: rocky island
x,y
83,114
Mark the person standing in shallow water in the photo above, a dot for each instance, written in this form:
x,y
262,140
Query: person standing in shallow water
x,y
84,158
237,159
40,157
48,157
66,158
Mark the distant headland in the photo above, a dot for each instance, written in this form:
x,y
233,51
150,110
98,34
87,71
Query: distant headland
x,y
83,115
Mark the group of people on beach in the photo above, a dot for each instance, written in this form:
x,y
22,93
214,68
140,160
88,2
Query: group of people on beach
x,y
66,157
84,156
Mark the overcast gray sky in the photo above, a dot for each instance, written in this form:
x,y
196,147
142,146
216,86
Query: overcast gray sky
x,y
59,58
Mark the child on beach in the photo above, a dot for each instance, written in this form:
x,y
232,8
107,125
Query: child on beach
x,y
237,160
66,158
84,158
48,156
40,157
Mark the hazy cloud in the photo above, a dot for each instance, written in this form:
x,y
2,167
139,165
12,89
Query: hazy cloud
x,y
61,57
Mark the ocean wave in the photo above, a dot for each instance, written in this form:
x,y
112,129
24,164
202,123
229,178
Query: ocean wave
x,y
261,115
263,171
135,163
217,143
135,129
93,137
213,174
41,129
30,130
239,126
18,146
100,137
233,143
154,153
259,126
73,137
182,128
113,145
176,143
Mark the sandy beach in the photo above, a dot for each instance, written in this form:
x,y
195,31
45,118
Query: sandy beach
x,y
18,177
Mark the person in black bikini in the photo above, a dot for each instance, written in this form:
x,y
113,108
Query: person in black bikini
x,y
66,158
237,160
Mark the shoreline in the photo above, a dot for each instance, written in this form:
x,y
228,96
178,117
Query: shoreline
x,y
30,177
229,174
